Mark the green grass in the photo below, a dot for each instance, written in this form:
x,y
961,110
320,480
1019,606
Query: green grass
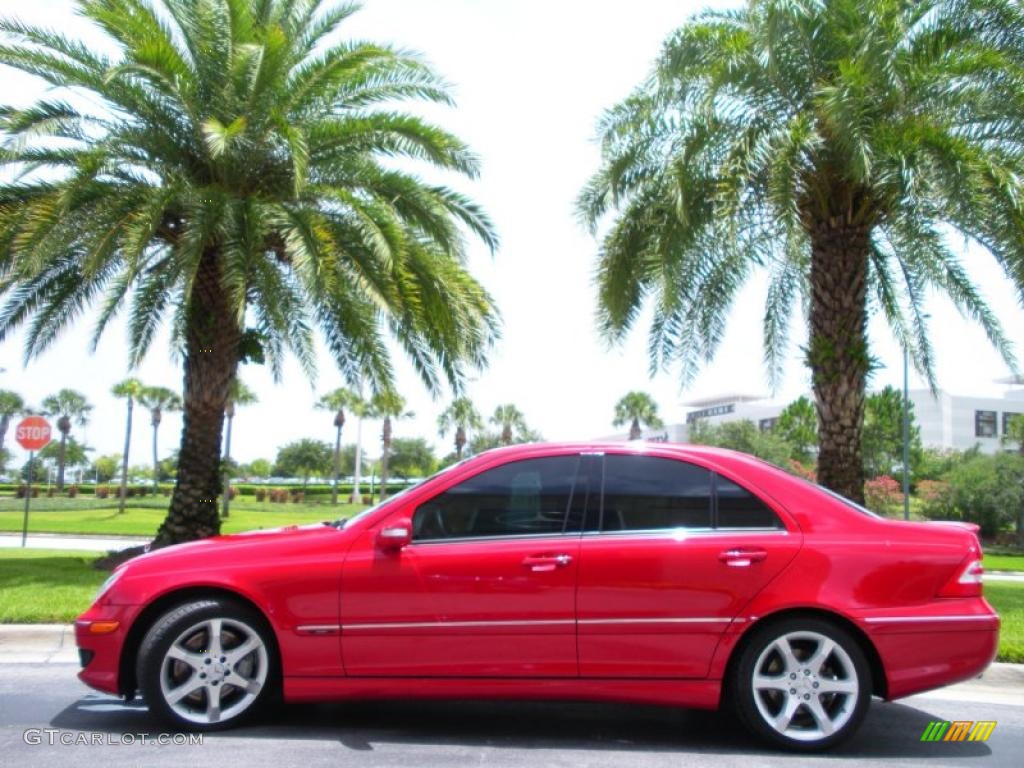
x,y
1003,562
144,516
1007,598
38,586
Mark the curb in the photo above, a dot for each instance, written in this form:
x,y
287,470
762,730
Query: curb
x,y
37,644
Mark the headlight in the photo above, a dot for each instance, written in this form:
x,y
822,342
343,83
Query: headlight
x,y
106,585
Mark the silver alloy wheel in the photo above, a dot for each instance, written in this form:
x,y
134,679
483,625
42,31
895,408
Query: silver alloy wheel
x,y
214,670
805,686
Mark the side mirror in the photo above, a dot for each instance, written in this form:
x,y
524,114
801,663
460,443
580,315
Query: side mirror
x,y
393,536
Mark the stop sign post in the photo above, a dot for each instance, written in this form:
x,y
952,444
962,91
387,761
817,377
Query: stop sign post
x,y
32,434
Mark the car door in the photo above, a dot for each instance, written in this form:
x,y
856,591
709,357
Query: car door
x,y
486,587
668,559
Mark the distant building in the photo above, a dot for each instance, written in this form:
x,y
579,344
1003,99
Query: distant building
x,y
944,419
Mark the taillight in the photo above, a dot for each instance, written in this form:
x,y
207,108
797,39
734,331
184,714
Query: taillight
x,y
966,582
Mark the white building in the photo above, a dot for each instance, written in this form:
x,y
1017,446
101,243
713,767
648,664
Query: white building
x,y
945,420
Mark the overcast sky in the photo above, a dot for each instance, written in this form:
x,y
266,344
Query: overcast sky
x,y
531,79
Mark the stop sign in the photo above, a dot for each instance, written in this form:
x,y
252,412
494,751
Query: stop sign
x,y
33,433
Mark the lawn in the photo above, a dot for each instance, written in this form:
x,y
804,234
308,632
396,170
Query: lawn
x,y
143,517
1003,562
42,585
1007,597
52,586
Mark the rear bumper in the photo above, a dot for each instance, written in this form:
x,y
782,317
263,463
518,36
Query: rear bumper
x,y
930,646
100,654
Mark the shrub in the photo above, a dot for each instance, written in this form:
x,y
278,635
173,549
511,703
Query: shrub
x,y
232,493
298,497
22,490
50,493
367,500
261,494
72,491
166,491
989,491
806,471
882,494
102,491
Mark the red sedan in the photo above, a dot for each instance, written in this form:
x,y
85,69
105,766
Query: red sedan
x,y
657,573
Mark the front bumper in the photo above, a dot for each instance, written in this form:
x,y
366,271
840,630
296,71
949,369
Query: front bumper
x,y
100,653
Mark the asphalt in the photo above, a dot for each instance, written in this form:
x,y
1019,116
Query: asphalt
x,y
48,718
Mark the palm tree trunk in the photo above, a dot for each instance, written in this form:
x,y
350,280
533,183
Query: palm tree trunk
x,y
156,460
506,434
359,461
385,457
211,358
124,460
5,423
226,499
336,470
460,441
60,460
635,432
838,350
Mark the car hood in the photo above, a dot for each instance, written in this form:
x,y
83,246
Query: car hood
x,y
221,550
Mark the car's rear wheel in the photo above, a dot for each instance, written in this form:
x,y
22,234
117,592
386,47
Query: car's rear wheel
x,y
207,665
802,683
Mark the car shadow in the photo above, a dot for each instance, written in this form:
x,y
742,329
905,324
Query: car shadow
x,y
890,730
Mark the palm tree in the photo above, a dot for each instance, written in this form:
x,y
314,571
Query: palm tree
x,y
387,405
511,420
159,400
338,401
68,407
460,416
830,147
130,390
636,408
234,163
240,395
11,404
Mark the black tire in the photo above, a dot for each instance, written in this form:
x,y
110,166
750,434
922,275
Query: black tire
x,y
159,674
841,711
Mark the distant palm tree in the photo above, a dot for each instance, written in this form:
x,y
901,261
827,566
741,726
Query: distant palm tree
x,y
239,396
338,401
387,405
11,404
159,400
461,416
637,408
68,407
130,390
836,148
511,420
233,160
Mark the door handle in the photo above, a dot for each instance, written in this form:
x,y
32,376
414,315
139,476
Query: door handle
x,y
544,563
742,558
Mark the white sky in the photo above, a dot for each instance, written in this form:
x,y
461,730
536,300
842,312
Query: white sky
x,y
531,79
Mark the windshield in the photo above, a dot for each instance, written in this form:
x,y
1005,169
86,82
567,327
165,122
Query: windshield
x,y
342,522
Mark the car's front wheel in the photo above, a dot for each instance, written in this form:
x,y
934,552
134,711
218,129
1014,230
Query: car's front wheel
x,y
802,683
207,664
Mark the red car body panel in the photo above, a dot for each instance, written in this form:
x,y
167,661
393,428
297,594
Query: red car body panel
x,y
652,617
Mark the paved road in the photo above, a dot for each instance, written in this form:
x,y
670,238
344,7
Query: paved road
x,y
466,733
